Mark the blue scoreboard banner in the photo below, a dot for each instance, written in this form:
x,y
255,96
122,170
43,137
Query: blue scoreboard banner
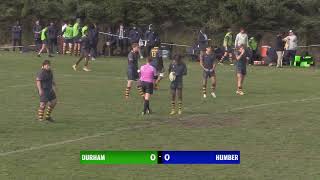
x,y
199,157
160,157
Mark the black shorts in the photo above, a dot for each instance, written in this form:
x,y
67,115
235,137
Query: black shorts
x,y
176,85
147,87
45,42
53,41
85,52
229,49
208,74
241,70
68,41
48,95
133,74
76,40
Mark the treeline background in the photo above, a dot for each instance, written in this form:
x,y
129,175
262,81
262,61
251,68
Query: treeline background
x,y
176,20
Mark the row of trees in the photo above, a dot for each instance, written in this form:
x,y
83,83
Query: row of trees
x,y
216,15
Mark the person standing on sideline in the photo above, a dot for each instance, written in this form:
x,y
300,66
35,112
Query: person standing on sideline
x,y
76,38
147,74
152,39
36,35
253,45
67,35
44,40
291,47
120,38
135,37
52,38
227,44
280,49
241,39
16,36
85,50
202,41
93,38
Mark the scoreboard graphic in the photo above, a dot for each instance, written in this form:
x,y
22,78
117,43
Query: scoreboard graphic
x,y
160,157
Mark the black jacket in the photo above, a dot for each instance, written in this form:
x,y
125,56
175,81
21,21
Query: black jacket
x,y
16,32
280,44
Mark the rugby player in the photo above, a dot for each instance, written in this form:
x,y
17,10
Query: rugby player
x,y
46,89
207,62
177,70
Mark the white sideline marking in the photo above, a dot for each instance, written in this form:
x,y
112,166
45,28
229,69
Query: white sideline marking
x,y
143,126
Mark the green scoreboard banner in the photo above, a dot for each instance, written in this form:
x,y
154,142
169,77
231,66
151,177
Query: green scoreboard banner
x,y
160,157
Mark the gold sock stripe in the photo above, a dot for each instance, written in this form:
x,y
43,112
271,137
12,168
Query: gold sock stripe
x,y
127,91
204,90
141,93
40,113
173,105
180,105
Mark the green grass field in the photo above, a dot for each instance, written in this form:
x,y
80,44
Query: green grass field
x,y
276,126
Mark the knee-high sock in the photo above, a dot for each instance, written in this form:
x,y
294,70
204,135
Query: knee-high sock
x,y
127,92
213,87
173,105
141,93
204,89
41,113
180,105
146,106
49,111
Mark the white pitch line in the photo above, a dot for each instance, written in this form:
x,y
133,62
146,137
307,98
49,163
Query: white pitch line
x,y
144,126
16,86
274,103
71,140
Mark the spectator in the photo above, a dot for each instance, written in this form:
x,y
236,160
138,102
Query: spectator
x,y
152,39
36,35
202,41
93,39
227,44
253,45
52,38
218,53
110,43
241,39
290,47
16,36
67,38
121,40
271,56
280,48
135,37
76,37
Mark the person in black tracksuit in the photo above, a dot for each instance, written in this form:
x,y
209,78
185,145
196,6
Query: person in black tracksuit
x,y
52,37
110,42
93,37
16,36
85,50
135,36
202,42
36,35
152,39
